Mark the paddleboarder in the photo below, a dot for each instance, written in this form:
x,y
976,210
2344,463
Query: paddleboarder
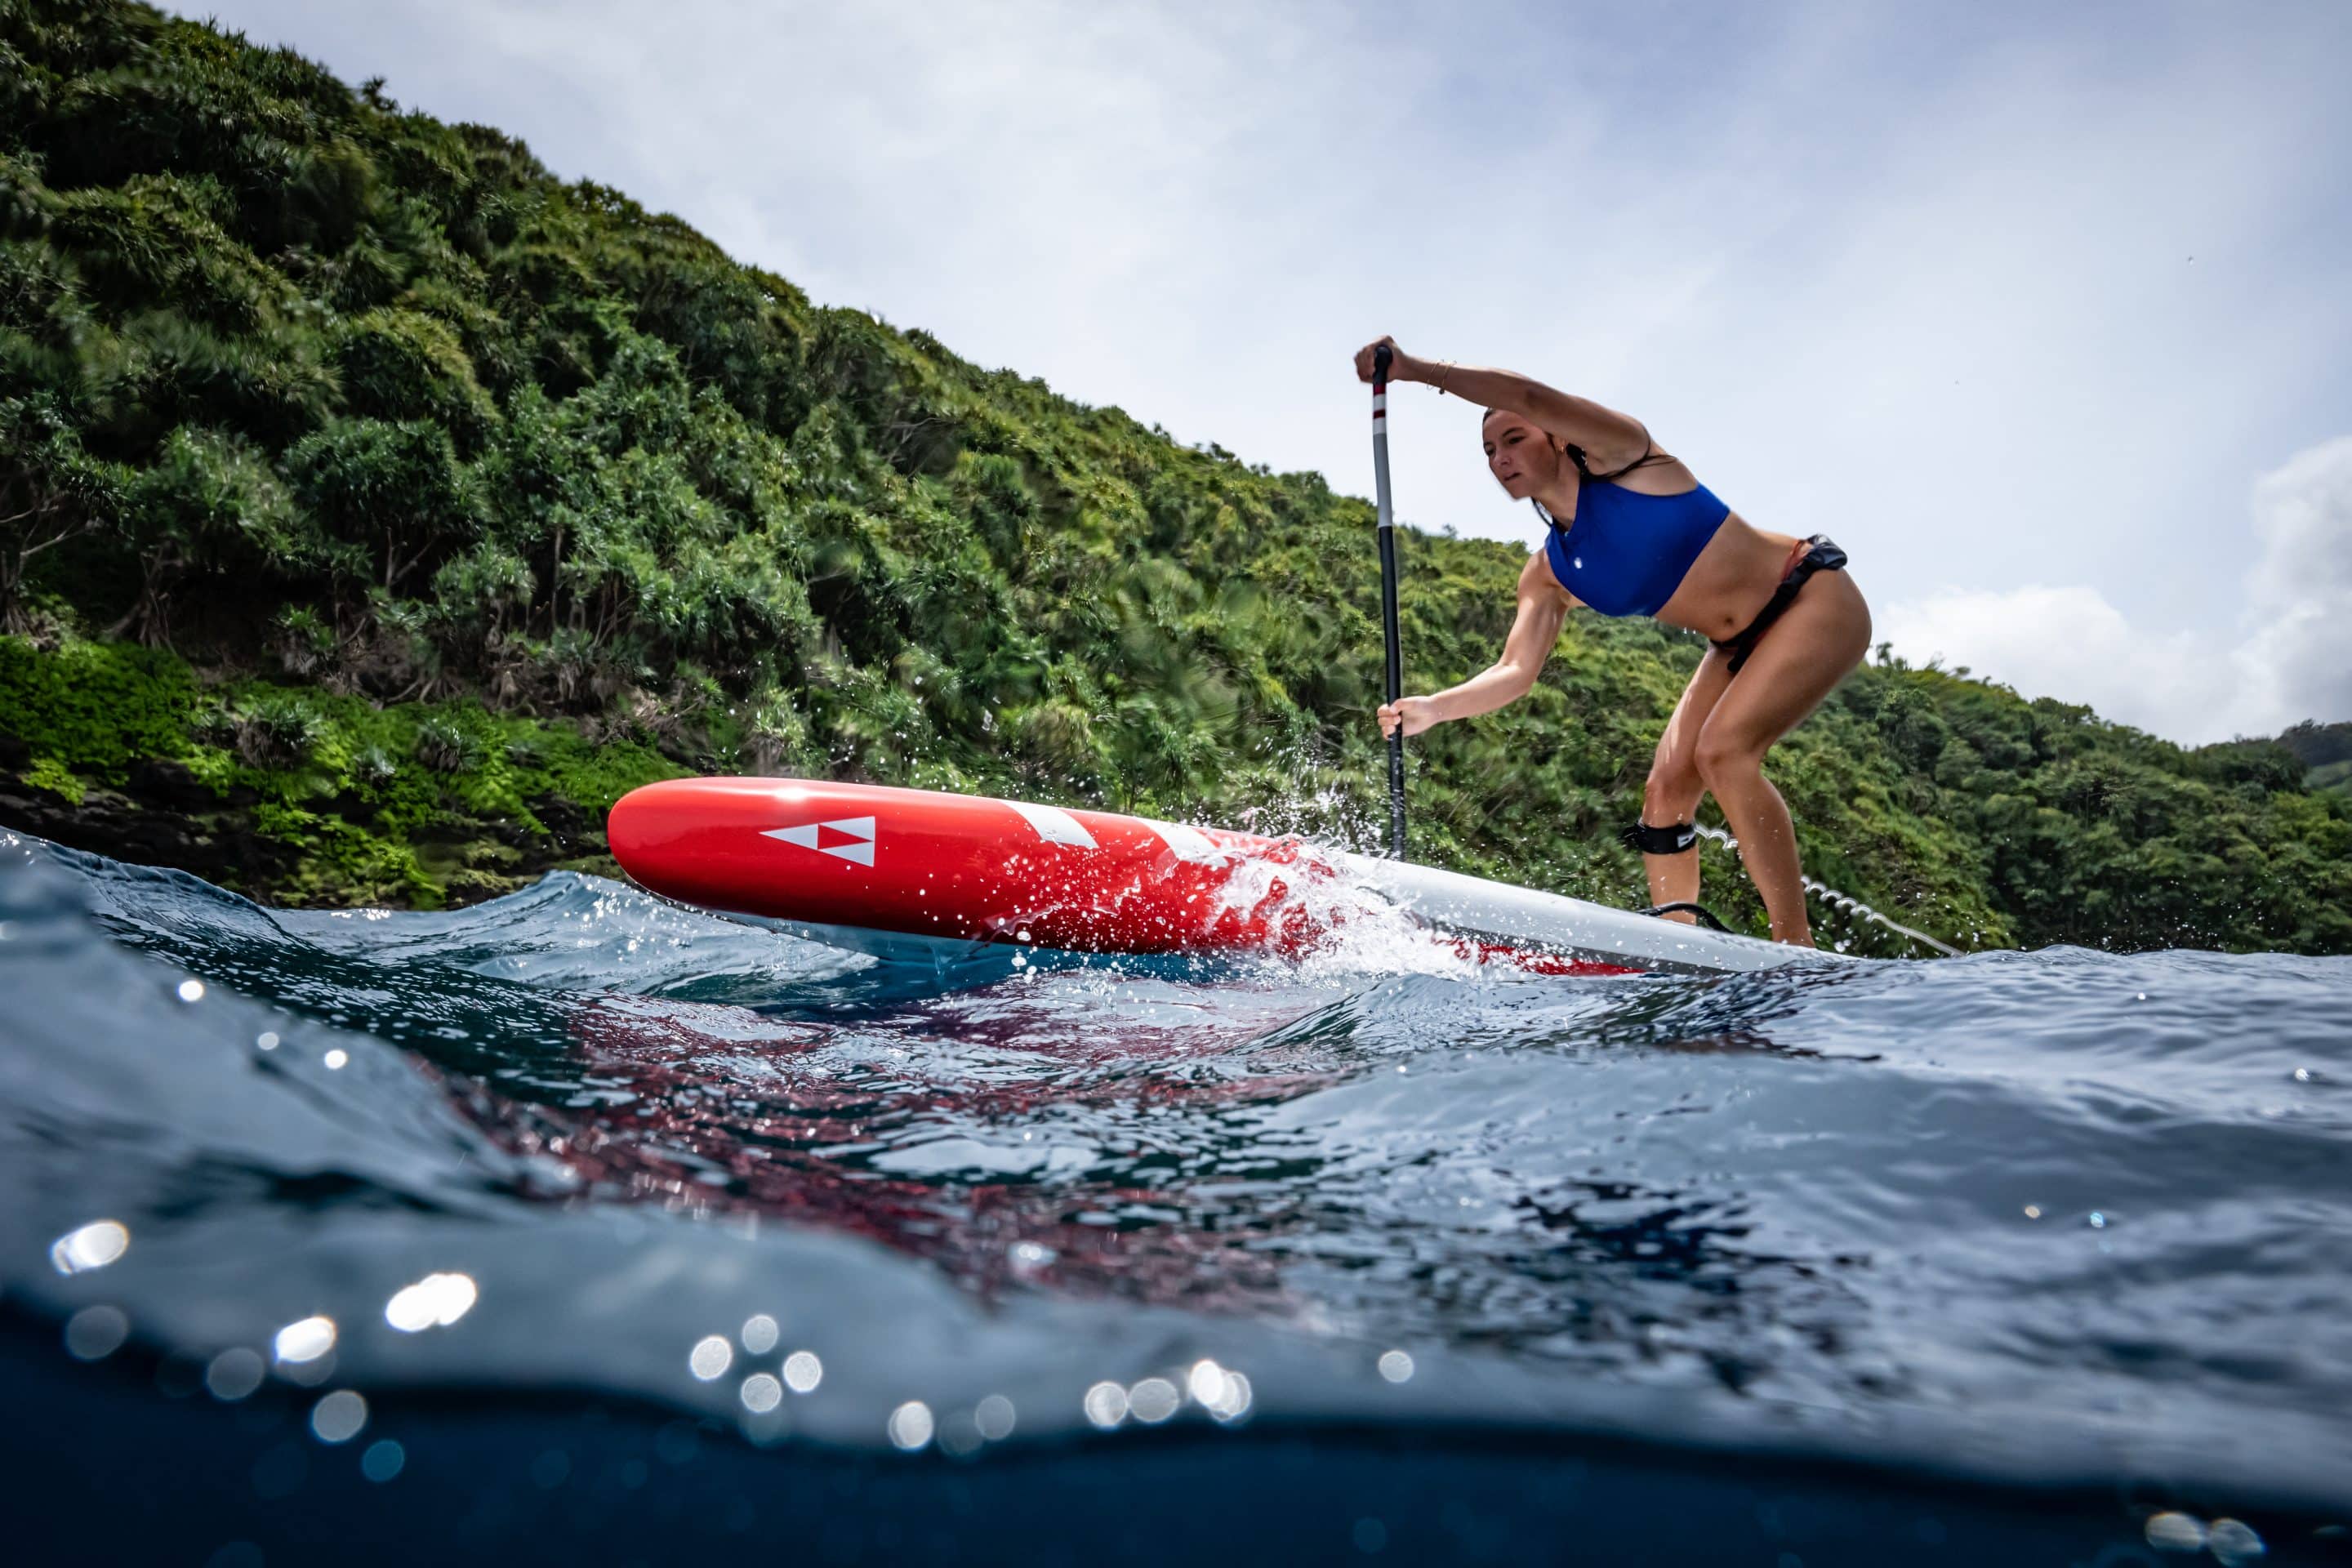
x,y
1631,532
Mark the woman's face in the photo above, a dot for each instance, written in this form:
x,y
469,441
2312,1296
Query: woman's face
x,y
1522,459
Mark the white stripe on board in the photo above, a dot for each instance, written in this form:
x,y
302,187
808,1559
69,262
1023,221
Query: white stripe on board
x,y
1189,843
1054,826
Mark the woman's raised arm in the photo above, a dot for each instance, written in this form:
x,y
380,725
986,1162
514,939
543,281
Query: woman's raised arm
x,y
1609,440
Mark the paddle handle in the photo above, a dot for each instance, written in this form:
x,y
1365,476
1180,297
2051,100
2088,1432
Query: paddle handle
x,y
1395,686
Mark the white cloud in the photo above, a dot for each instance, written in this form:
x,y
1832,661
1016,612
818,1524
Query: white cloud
x,y
2071,643
2302,587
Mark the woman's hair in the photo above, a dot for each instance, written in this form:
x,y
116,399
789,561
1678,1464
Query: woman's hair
x,y
1538,429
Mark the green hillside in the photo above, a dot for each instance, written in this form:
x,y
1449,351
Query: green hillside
x,y
377,507
2326,750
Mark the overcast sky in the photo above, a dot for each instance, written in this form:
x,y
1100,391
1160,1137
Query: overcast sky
x,y
2042,311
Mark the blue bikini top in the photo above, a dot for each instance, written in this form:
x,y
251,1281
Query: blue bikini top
x,y
1624,553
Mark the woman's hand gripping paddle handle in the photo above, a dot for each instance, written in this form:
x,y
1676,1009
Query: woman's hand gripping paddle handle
x,y
1381,358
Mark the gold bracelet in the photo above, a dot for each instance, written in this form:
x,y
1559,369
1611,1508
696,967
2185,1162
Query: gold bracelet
x,y
1442,374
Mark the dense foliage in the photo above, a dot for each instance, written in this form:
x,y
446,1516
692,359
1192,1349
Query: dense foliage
x,y
2326,750
424,481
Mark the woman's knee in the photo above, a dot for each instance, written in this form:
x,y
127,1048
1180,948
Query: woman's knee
x,y
1725,759
1672,790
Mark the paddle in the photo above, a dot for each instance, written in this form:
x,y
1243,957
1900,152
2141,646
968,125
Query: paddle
x,y
1381,358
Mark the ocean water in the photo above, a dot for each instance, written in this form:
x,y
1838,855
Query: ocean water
x,y
576,1216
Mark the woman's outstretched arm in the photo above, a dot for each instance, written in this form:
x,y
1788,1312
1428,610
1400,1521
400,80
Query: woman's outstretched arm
x,y
1542,607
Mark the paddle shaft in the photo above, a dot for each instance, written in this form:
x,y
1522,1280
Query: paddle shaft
x,y
1381,359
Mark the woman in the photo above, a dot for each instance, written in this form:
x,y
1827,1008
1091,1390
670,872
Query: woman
x,y
1634,533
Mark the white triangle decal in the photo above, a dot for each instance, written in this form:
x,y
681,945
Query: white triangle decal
x,y
857,827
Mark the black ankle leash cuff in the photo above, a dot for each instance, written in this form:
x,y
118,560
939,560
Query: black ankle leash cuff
x,y
1671,840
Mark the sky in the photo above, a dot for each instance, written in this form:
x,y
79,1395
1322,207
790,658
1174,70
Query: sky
x,y
2040,311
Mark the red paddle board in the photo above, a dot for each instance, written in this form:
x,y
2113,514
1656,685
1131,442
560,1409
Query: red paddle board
x,y
904,872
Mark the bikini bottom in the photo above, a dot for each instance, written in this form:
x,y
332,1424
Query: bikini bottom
x,y
1810,556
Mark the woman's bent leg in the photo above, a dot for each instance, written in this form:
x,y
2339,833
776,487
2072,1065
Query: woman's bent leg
x,y
1812,647
1768,848
1671,796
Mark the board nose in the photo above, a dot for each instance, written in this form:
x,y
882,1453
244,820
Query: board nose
x,y
630,829
652,830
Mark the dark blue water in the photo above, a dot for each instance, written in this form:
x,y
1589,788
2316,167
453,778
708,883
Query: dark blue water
x,y
2009,1228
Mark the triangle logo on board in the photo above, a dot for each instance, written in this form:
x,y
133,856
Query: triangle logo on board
x,y
851,838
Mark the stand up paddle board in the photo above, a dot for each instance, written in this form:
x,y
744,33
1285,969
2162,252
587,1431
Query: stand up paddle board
x,y
915,876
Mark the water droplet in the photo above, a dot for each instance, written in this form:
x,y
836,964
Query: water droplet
x,y
382,1460
96,1333
910,1426
1106,1404
436,1301
710,1357
339,1417
305,1341
94,1246
234,1374
2234,1543
1153,1399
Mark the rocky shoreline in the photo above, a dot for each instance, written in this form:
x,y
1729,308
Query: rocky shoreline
x,y
297,798
163,815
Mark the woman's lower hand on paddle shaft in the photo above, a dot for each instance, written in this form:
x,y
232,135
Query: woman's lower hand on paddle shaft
x,y
1416,714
